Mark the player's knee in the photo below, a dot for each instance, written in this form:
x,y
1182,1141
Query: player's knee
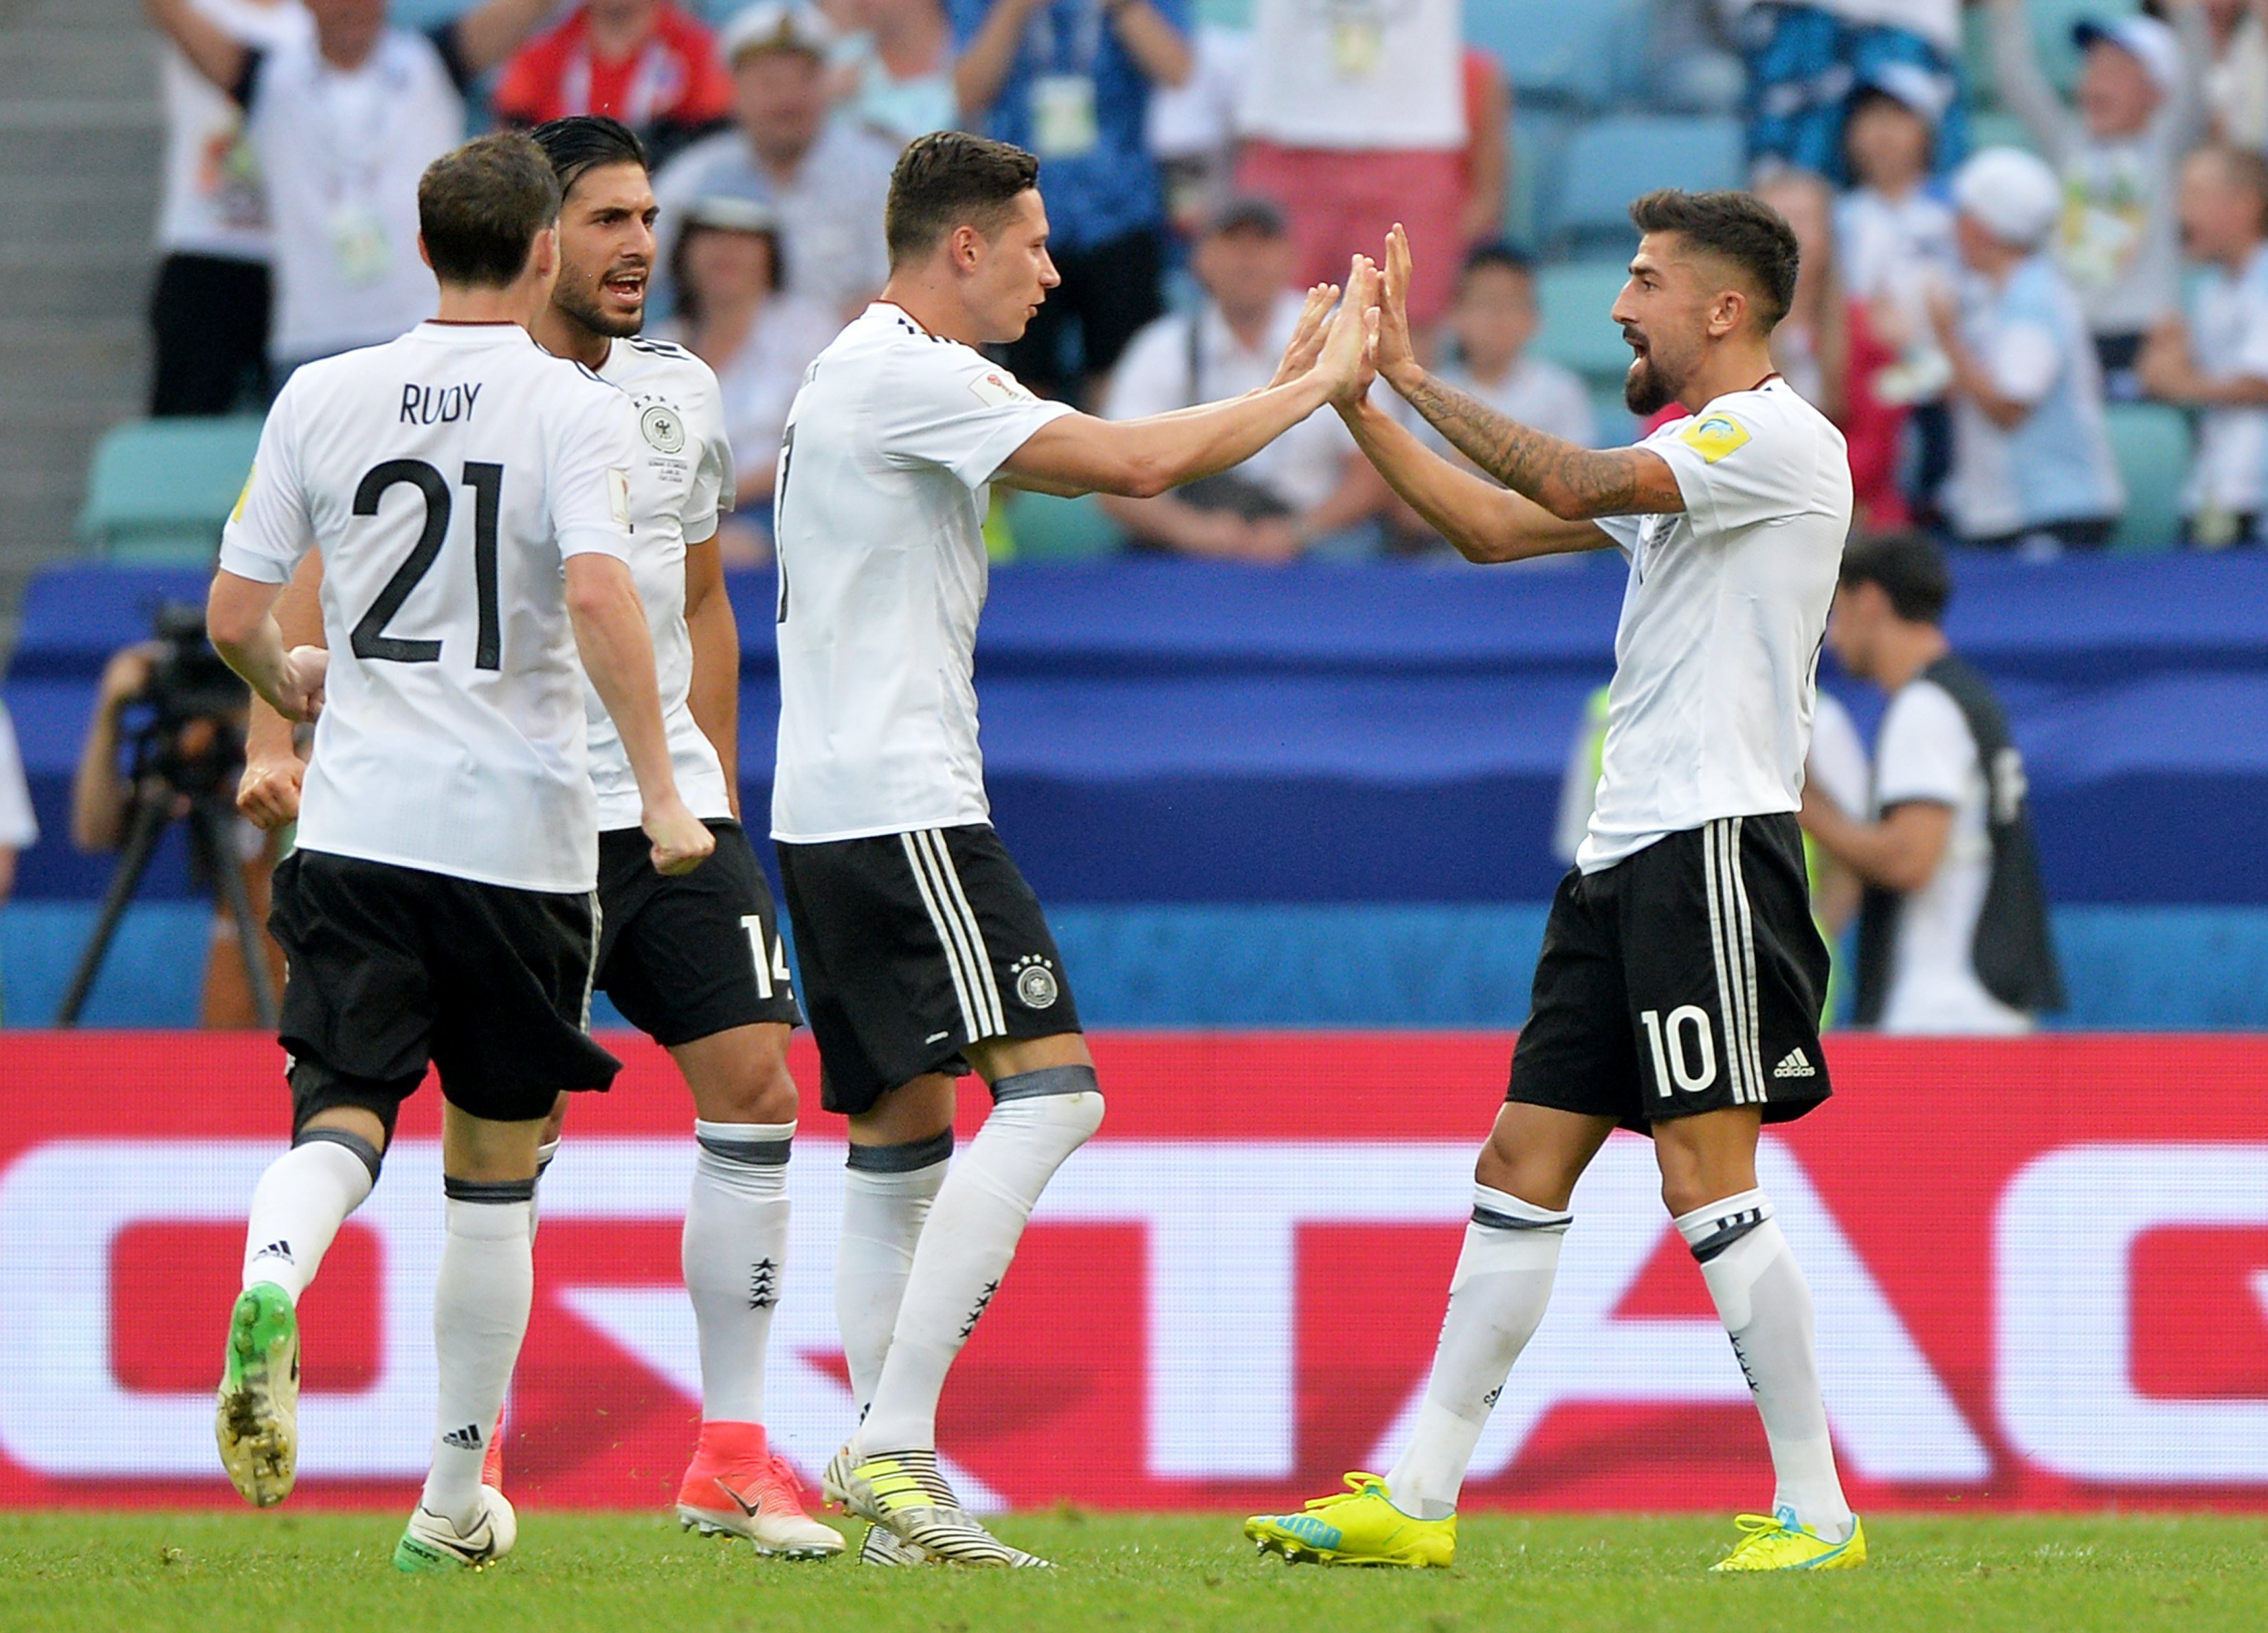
x,y
339,1131
1534,1177
356,1114
1065,1100
762,1091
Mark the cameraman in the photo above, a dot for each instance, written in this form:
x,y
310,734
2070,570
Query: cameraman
x,y
103,802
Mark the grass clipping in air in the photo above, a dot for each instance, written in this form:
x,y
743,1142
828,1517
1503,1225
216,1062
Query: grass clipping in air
x,y
328,1573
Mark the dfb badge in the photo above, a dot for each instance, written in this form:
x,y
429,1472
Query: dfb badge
x,y
663,431
1035,982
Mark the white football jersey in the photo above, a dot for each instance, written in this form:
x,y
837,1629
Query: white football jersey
x,y
879,519
1717,657
446,477
681,482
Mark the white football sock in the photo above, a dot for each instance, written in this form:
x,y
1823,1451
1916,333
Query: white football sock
x,y
735,1248
1502,1283
1762,1299
297,1209
481,1299
887,1194
544,1153
971,1237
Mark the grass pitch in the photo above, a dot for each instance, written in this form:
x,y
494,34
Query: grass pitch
x,y
329,1573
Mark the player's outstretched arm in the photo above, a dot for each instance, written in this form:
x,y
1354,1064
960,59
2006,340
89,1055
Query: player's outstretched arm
x,y
1141,459
1574,483
1485,523
268,792
714,696
617,650
240,622
211,50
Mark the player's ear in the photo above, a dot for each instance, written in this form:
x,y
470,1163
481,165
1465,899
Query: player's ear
x,y
1727,313
423,253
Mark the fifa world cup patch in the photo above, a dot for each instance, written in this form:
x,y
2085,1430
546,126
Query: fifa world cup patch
x,y
618,494
996,390
244,493
1714,435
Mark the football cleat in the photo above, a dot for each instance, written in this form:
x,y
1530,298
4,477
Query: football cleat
x,y
431,1542
492,1461
906,1493
736,1487
1357,1526
1776,1542
256,1420
882,1548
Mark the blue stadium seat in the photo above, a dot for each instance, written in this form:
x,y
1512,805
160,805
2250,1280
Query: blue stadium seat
x,y
158,491
1576,332
1617,426
2152,443
1611,161
1559,52
1049,529
1999,130
1539,144
425,13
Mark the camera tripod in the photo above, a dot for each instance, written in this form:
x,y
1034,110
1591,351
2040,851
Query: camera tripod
x,y
210,815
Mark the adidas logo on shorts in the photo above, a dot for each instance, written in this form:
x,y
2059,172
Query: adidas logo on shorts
x,y
1794,1064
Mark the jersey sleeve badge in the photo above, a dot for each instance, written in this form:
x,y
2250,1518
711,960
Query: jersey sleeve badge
x,y
996,390
244,493
1714,435
618,494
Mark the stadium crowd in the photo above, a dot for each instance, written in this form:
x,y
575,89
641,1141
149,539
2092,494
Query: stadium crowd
x,y
1974,300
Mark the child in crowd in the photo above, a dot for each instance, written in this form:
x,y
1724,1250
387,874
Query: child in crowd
x,y
2217,363
2032,467
891,68
2140,107
1491,321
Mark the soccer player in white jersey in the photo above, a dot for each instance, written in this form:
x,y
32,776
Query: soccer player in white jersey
x,y
1680,984
693,961
469,495
923,953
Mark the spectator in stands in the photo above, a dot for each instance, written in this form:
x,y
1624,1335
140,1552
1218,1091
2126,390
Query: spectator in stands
x,y
826,180
1356,117
103,803
344,121
732,315
642,62
2217,363
208,315
19,830
1805,60
2032,466
1952,931
1307,491
1490,324
892,70
2236,80
1826,349
2140,107
1071,80
1192,128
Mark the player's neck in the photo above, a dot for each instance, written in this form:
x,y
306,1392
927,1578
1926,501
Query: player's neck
x,y
563,337
463,304
934,308
1906,650
1742,367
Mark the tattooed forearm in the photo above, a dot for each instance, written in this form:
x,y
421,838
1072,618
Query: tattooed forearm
x,y
1572,483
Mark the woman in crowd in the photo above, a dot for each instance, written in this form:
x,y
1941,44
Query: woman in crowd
x,y
732,315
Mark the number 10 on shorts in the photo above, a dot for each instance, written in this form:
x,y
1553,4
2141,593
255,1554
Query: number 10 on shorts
x,y
1687,1030
771,962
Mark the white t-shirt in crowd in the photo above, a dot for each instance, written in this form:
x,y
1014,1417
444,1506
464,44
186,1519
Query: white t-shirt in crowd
x,y
214,202
342,152
1534,391
446,477
759,381
1925,751
2228,337
1717,657
1357,75
879,521
19,830
1303,467
680,480
1898,251
1836,765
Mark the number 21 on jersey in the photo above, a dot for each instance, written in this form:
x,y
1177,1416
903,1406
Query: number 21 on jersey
x,y
487,483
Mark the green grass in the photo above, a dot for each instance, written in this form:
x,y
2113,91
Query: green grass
x,y
328,1573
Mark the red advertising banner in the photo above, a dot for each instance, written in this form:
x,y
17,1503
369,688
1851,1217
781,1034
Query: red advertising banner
x,y
2041,1270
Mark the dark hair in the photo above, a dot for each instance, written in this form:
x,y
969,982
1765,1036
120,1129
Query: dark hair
x,y
1910,568
582,143
949,179
1738,226
1501,253
680,260
480,206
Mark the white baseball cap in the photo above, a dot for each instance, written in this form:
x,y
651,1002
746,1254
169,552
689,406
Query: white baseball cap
x,y
2150,42
2011,193
777,26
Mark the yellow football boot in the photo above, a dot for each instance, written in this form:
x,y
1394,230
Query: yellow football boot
x,y
1776,1542
1357,1526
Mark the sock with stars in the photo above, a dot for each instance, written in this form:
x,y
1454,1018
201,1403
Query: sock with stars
x,y
734,1250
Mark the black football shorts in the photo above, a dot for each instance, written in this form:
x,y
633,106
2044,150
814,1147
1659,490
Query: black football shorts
x,y
690,955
